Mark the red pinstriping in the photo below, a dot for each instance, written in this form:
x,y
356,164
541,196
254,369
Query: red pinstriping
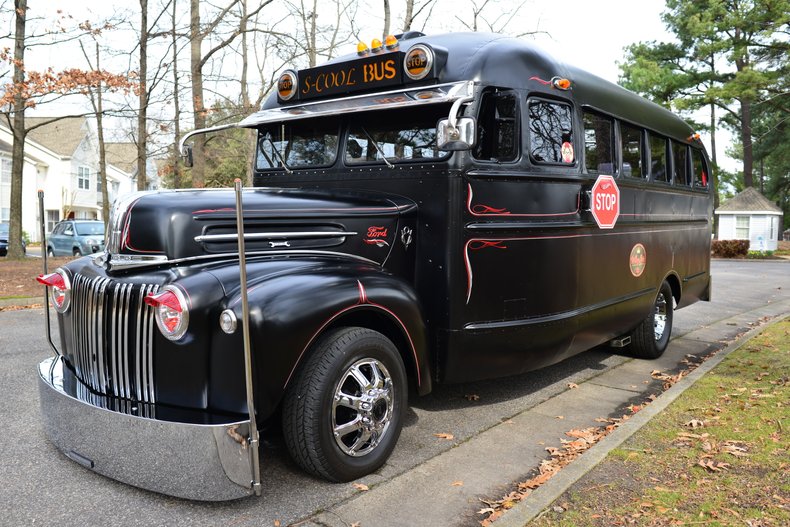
x,y
363,301
485,210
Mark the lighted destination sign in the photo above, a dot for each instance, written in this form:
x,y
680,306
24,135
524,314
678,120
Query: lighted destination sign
x,y
373,72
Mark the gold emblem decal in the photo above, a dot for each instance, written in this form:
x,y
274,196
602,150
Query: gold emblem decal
x,y
638,260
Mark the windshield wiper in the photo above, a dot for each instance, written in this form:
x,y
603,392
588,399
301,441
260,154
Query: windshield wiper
x,y
378,148
278,154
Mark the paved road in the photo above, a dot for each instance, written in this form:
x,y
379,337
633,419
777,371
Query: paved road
x,y
40,486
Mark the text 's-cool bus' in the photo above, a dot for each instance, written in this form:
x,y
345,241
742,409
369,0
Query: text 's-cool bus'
x,y
441,209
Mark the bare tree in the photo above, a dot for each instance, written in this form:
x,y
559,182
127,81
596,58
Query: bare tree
x,y
413,10
386,19
29,88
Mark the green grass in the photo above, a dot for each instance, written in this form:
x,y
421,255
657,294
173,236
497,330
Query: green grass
x,y
735,419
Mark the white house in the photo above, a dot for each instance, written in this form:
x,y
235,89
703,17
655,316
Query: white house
x,y
62,159
750,216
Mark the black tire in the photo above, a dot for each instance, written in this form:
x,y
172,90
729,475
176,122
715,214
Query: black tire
x,y
76,252
651,337
50,252
372,427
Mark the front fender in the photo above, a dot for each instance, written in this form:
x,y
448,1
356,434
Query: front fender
x,y
292,306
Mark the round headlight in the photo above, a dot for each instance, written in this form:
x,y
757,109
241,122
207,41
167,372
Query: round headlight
x,y
171,311
59,289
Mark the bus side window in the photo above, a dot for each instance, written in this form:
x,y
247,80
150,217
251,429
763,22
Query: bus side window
x,y
598,143
497,127
631,142
551,132
700,170
680,165
658,158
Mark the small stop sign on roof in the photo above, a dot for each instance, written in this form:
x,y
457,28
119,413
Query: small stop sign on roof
x,y
605,202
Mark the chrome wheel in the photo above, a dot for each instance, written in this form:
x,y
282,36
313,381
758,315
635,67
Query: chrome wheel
x,y
660,316
362,407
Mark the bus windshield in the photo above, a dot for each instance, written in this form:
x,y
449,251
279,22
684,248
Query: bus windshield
x,y
298,144
395,136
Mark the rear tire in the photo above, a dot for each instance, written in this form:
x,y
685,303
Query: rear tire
x,y
650,338
50,252
343,412
76,252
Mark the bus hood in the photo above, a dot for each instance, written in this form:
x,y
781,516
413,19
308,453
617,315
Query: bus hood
x,y
154,228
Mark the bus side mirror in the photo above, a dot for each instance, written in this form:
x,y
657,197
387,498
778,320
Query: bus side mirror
x,y
186,155
454,138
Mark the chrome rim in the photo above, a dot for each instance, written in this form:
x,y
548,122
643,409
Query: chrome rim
x,y
362,407
660,316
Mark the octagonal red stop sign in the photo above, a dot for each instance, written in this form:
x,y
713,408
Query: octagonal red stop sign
x,y
605,202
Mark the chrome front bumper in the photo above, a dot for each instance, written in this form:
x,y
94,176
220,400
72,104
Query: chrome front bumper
x,y
209,462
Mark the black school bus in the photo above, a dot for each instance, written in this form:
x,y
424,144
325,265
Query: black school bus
x,y
436,209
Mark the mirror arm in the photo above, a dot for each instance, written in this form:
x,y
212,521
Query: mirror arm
x,y
182,142
452,119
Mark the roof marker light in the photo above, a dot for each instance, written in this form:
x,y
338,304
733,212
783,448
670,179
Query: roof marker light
x,y
391,42
375,45
362,49
560,83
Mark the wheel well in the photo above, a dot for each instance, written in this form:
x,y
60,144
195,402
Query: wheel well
x,y
674,284
386,326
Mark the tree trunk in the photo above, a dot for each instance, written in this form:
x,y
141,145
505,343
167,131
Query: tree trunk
x,y
19,132
746,141
386,20
408,16
142,115
105,191
196,69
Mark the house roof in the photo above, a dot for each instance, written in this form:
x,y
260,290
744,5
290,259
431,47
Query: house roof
x,y
122,155
750,200
62,136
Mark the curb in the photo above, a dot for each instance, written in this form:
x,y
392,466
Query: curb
x,y
541,498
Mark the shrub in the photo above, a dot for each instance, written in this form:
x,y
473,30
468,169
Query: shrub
x,y
760,255
730,248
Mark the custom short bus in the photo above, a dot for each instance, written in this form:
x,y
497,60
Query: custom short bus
x,y
431,209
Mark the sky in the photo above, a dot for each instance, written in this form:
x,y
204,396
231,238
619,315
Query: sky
x,y
585,33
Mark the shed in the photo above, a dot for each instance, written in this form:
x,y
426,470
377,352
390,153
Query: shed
x,y
750,216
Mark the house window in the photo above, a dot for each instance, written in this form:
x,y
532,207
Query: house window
x,y
83,178
98,183
742,227
53,216
5,171
5,214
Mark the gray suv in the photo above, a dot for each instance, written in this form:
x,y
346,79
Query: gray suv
x,y
76,237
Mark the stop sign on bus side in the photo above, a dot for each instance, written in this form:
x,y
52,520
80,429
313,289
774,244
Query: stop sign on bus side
x,y
605,202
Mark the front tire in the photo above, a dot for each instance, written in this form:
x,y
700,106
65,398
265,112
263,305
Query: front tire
x,y
50,252
76,252
650,338
343,412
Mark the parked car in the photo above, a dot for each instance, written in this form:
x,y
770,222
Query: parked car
x,y
76,238
4,240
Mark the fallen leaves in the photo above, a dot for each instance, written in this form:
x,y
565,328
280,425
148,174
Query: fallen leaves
x,y
472,397
572,385
713,466
444,435
361,487
458,483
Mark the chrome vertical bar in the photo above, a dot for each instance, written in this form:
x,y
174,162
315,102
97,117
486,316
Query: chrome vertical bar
x,y
103,373
125,342
150,349
113,340
43,225
137,345
245,309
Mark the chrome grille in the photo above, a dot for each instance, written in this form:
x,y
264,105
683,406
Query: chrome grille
x,y
111,341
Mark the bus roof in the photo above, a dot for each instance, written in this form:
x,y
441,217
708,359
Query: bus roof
x,y
507,62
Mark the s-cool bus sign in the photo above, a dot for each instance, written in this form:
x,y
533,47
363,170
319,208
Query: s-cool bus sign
x,y
605,202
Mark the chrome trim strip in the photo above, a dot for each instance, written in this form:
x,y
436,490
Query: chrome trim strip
x,y
127,264
273,236
209,462
454,90
125,342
